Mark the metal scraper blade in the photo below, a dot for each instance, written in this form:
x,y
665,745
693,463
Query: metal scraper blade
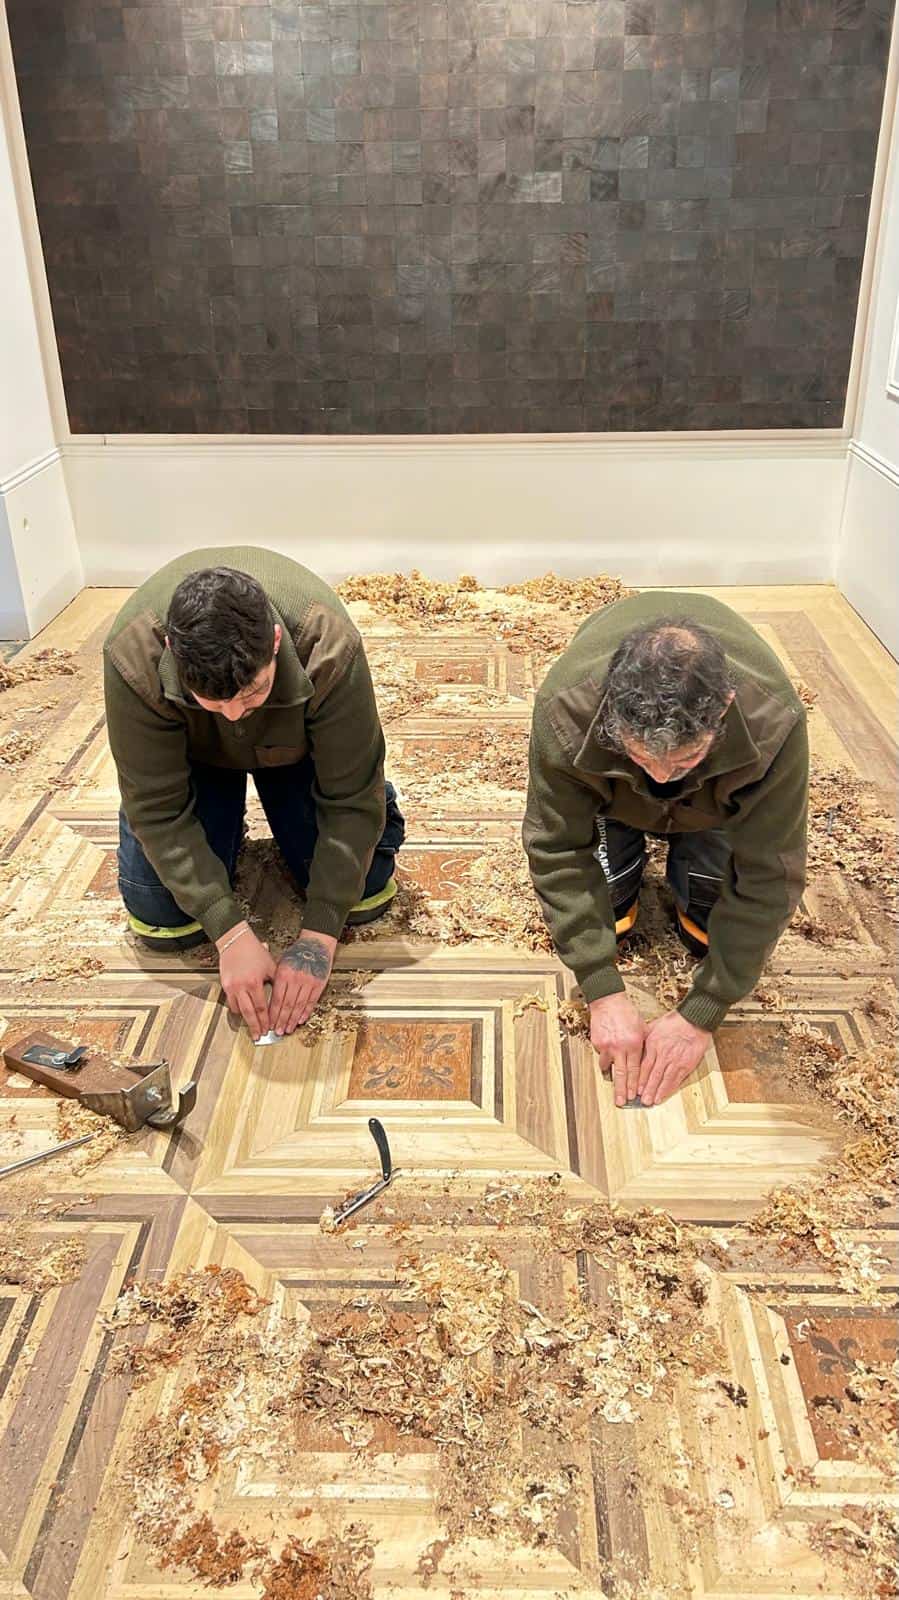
x,y
270,1038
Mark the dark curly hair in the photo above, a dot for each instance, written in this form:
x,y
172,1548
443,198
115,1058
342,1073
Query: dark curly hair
x,y
667,687
221,631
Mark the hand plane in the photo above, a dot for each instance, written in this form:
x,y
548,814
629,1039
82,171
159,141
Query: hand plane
x,y
132,1095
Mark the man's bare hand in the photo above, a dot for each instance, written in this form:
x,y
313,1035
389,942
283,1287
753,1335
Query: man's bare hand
x,y
616,1033
245,968
303,971
674,1048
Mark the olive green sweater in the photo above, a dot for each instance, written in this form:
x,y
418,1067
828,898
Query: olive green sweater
x,y
322,705
753,785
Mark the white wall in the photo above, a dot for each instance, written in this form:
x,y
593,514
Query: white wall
x,y
40,565
867,558
675,511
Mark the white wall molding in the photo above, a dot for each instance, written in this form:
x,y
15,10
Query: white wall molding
x,y
801,444
873,458
866,563
30,470
870,309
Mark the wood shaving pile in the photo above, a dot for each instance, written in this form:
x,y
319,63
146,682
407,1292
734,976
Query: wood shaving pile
x,y
865,1543
32,1254
61,963
534,618
501,1387
578,596
35,668
859,1085
411,597
852,831
341,1008
330,1569
494,902
16,746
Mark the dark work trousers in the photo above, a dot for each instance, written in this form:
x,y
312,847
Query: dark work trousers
x,y
695,869
220,795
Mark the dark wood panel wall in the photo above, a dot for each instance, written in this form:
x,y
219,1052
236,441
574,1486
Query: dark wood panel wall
x,y
426,217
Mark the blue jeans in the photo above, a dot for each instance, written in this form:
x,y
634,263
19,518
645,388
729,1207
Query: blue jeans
x,y
220,796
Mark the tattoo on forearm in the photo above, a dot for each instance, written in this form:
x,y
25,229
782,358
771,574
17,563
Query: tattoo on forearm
x,y
307,955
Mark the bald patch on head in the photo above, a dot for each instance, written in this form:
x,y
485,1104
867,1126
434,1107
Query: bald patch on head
x,y
667,688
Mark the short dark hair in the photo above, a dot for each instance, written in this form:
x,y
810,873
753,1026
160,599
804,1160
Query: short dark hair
x,y
221,631
667,686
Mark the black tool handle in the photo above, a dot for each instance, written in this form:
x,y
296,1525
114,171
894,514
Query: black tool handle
x,y
377,1132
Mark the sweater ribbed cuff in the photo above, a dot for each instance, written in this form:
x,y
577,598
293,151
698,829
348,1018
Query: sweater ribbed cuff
x,y
221,915
320,916
605,980
702,1010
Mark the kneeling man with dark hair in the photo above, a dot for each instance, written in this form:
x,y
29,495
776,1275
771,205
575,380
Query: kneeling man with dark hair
x,y
667,715
237,661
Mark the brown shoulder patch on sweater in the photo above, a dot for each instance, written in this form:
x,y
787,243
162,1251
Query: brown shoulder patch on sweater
x,y
135,653
571,712
770,721
326,644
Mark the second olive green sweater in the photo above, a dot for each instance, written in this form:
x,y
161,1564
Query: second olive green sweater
x,y
753,785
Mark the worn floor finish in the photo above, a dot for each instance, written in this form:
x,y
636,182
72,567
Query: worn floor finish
x,y
471,1088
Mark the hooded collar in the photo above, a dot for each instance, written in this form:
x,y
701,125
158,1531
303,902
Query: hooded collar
x,y
292,685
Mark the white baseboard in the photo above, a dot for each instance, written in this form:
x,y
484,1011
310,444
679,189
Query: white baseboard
x,y
686,510
40,564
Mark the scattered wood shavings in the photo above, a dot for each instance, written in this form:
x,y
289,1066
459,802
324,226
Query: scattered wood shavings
x,y
530,1002
399,692
217,1560
233,1360
42,664
332,1569
859,1085
852,831
35,1252
35,1257
535,618
192,1310
16,746
494,901
59,965
430,1559
470,766
478,1364
865,1543
804,1212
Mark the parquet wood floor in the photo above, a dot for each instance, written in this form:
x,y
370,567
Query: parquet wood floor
x,y
472,1088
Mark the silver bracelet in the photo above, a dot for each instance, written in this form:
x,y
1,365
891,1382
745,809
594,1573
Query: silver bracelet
x,y
224,947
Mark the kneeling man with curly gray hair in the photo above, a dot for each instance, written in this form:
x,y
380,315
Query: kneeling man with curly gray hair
x,y
667,715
